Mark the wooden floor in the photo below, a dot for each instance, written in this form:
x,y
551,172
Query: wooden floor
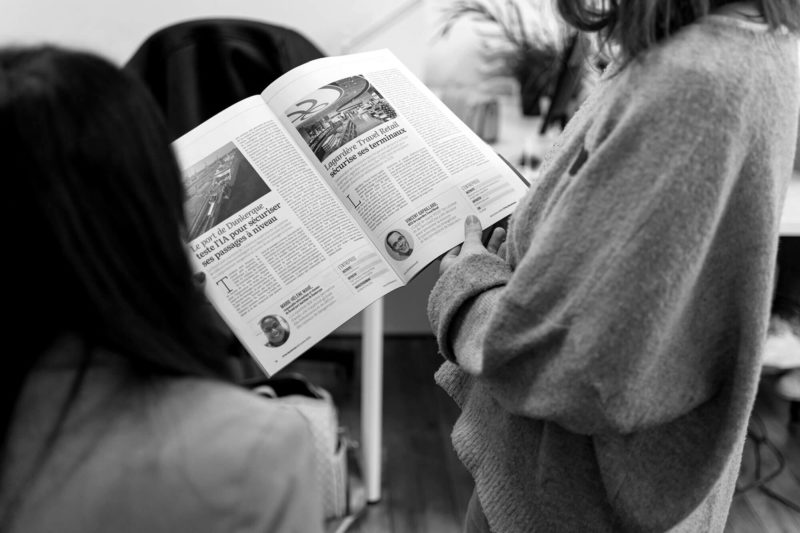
x,y
426,489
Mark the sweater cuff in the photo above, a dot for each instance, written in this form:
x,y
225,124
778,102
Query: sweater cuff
x,y
460,283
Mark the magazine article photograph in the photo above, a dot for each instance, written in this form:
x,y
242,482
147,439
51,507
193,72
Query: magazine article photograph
x,y
339,183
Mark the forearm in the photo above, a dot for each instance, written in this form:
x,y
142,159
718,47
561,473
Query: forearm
x,y
461,304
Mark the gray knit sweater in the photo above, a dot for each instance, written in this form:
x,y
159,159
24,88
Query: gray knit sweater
x,y
606,370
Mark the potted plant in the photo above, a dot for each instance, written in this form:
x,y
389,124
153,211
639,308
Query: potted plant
x,y
524,45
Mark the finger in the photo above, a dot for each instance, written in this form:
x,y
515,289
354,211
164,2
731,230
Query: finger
x,y
452,252
501,252
472,232
449,259
498,237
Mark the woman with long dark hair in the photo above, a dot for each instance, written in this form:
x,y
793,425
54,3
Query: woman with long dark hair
x,y
118,412
607,355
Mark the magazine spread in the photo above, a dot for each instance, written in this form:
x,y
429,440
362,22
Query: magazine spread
x,y
339,183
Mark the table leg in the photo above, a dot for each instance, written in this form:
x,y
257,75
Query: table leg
x,y
372,398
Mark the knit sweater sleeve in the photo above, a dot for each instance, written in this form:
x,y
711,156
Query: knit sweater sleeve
x,y
602,325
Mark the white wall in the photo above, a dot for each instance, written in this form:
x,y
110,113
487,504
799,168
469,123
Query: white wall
x,y
115,28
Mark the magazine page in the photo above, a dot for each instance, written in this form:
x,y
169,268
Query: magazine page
x,y
402,163
285,264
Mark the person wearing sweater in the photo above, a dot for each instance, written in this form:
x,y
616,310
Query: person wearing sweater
x,y
605,352
119,412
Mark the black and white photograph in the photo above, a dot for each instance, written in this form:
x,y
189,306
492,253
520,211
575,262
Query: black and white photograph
x,y
423,266
399,244
218,187
339,112
276,329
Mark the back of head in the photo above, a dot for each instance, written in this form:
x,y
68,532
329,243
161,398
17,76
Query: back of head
x,y
98,213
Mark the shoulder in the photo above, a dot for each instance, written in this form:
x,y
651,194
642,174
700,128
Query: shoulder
x,y
240,453
683,74
220,414
169,454
718,58
706,79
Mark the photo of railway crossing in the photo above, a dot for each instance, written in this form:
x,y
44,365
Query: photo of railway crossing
x,y
218,187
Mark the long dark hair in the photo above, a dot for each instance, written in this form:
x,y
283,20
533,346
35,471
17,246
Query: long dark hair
x,y
94,245
635,25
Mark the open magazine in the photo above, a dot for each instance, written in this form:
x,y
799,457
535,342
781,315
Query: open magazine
x,y
339,183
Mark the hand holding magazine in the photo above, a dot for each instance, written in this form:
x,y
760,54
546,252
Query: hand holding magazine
x,y
339,183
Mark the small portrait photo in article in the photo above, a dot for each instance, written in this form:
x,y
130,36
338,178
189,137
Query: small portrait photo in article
x,y
276,328
399,244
